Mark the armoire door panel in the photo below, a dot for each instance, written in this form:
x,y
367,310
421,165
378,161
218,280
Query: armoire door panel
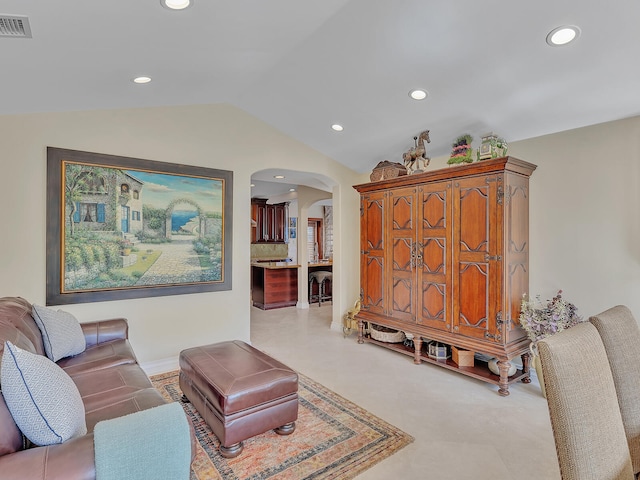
x,y
402,286
402,298
374,225
517,281
516,219
372,253
402,241
403,258
475,257
402,213
402,274
374,292
474,219
473,287
434,209
434,260
434,306
434,255
517,206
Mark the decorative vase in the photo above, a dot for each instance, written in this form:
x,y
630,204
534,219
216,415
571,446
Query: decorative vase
x,y
535,361
493,366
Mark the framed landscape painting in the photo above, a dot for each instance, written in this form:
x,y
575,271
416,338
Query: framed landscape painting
x,y
120,227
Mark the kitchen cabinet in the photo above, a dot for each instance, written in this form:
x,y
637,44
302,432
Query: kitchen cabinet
x,y
269,222
274,285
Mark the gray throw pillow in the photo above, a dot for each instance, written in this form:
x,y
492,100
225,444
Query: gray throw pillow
x,y
43,400
61,332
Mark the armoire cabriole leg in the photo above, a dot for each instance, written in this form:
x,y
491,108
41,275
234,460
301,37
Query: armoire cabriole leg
x,y
526,367
417,343
503,386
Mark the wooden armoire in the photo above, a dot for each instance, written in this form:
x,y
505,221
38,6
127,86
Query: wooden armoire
x,y
445,257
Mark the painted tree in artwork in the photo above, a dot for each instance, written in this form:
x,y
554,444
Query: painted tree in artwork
x,y
75,180
79,179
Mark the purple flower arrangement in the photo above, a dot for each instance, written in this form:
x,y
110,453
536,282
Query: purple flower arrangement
x,y
540,320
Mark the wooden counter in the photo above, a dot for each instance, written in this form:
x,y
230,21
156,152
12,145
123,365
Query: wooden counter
x,y
274,284
274,265
318,265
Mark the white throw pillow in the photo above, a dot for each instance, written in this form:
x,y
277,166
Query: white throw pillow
x,y
43,400
61,332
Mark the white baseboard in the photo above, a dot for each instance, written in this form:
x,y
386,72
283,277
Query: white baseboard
x,y
302,305
160,366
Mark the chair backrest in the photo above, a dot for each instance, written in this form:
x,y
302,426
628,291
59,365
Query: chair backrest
x,y
621,338
583,406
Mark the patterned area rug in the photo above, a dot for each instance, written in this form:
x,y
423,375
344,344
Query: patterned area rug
x,y
333,439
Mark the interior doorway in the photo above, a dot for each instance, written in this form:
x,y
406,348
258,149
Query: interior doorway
x,y
315,240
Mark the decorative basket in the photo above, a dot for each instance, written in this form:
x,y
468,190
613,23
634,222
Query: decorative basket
x,y
438,350
386,169
384,334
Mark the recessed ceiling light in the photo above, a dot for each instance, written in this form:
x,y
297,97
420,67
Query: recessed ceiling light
x,y
142,80
253,184
337,127
563,35
278,176
176,4
418,94
292,189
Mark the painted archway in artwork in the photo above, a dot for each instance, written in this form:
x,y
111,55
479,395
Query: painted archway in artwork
x,y
169,211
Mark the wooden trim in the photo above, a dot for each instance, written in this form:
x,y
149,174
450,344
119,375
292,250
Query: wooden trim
x,y
482,167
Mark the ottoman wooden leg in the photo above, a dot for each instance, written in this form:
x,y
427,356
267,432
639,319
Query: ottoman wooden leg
x,y
286,429
232,450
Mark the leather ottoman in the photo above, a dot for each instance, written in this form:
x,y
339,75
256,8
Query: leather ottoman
x,y
239,391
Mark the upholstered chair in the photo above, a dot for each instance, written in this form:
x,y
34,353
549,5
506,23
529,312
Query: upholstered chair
x,y
621,338
583,406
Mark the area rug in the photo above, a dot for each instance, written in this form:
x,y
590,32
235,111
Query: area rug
x,y
334,439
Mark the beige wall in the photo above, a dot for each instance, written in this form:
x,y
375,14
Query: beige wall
x,y
217,136
584,211
585,214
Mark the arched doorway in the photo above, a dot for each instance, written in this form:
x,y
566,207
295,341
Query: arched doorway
x,y
302,190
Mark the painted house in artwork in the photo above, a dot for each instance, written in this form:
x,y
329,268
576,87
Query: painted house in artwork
x,y
106,200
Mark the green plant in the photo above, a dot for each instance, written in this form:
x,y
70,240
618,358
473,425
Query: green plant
x,y
541,320
461,150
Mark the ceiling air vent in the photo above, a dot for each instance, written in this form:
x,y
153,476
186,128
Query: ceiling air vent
x,y
14,26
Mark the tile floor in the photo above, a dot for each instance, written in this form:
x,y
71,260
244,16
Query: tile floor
x,y
462,428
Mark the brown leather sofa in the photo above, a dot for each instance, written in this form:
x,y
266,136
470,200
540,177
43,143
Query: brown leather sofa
x,y
110,382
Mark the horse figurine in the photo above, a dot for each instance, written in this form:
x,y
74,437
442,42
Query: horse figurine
x,y
415,158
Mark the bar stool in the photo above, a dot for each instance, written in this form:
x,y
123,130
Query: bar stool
x,y
320,277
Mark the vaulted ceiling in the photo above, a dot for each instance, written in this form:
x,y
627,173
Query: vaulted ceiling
x,y
302,66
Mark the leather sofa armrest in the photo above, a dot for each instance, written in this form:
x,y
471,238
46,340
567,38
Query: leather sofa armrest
x,y
105,330
71,460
